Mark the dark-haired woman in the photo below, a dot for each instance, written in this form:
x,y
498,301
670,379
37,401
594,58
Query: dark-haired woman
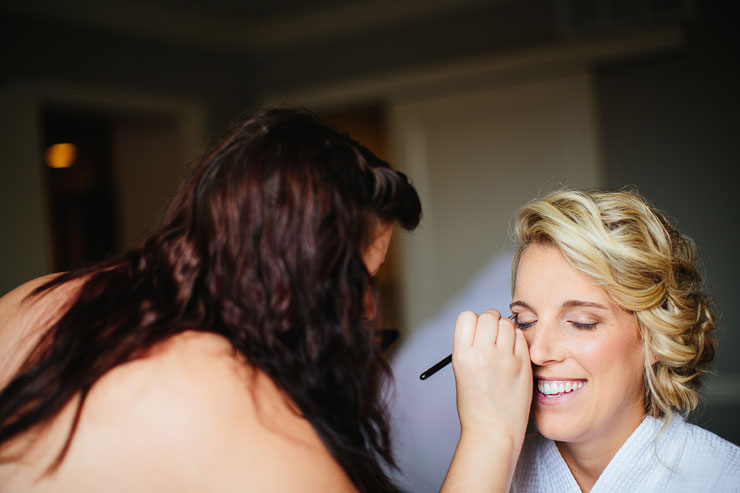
x,y
232,350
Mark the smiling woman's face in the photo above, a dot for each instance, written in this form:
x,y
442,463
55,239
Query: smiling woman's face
x,y
587,357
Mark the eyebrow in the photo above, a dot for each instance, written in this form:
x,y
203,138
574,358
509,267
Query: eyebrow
x,y
567,304
588,304
520,303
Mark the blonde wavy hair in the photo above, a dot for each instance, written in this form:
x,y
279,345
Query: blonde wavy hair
x,y
646,267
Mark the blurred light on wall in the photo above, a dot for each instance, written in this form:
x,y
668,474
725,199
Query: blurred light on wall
x,y
61,155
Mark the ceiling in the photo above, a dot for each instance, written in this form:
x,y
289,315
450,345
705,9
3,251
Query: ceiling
x,y
267,47
254,27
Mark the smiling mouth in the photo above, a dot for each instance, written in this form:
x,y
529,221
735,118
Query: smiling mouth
x,y
555,388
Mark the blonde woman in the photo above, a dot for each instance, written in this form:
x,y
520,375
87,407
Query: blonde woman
x,y
608,296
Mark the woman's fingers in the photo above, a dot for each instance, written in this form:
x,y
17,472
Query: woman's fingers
x,y
483,337
487,331
506,335
487,328
464,330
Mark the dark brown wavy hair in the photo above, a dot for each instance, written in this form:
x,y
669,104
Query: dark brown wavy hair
x,y
262,245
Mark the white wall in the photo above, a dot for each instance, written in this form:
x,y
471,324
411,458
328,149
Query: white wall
x,y
475,158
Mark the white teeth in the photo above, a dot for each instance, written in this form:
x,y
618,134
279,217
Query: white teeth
x,y
553,388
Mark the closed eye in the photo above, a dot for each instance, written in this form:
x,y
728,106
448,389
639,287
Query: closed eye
x,y
520,324
580,325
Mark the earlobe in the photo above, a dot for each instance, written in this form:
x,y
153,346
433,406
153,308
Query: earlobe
x,y
652,357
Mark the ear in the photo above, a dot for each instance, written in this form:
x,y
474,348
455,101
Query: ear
x,y
652,357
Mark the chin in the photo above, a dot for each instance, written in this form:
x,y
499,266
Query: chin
x,y
558,428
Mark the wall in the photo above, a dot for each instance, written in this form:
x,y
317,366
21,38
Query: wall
x,y
25,236
149,162
475,158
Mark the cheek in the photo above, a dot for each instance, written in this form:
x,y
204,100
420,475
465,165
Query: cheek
x,y
593,354
528,337
616,359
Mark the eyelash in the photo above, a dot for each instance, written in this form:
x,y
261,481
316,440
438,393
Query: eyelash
x,y
584,326
577,325
519,325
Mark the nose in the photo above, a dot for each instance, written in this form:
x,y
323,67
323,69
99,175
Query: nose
x,y
369,305
545,344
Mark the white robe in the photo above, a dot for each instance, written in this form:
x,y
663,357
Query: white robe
x,y
684,458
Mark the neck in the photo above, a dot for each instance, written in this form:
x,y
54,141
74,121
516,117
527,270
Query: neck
x,y
587,459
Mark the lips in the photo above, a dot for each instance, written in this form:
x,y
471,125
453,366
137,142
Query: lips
x,y
556,392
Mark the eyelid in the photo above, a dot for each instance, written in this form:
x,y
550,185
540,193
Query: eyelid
x,y
582,316
583,326
582,321
521,325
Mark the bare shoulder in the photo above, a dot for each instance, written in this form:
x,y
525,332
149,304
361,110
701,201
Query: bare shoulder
x,y
193,416
18,311
16,299
23,320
